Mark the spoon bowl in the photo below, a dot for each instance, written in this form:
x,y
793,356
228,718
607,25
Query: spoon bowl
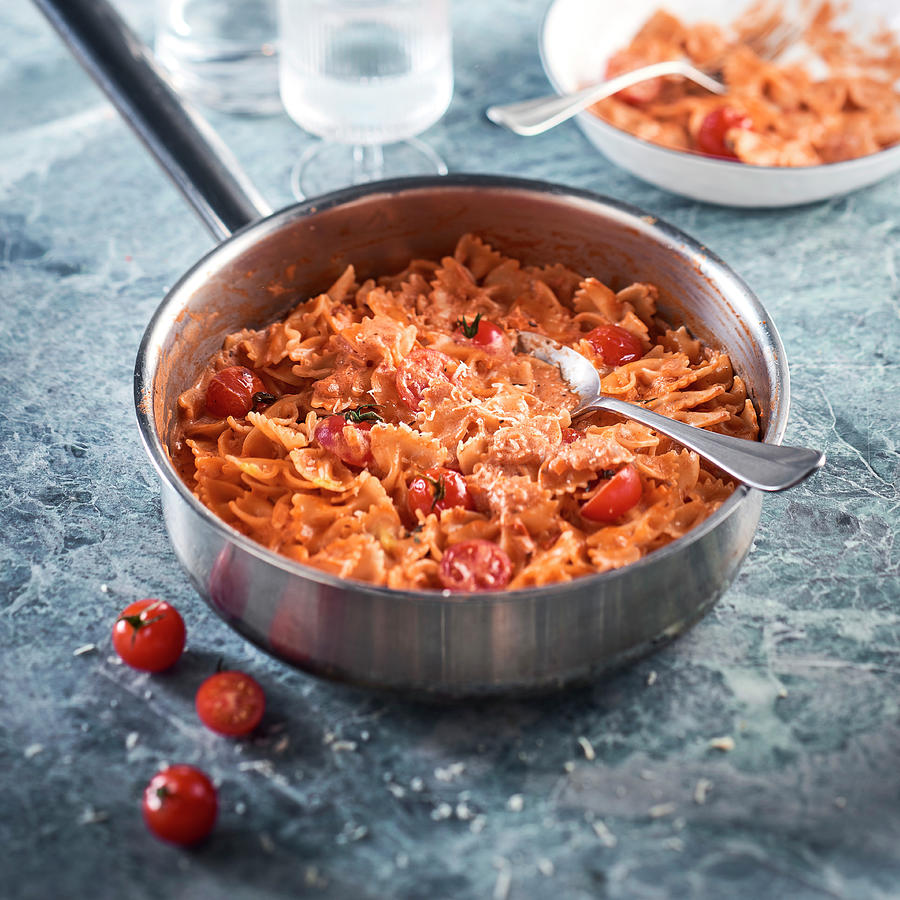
x,y
767,467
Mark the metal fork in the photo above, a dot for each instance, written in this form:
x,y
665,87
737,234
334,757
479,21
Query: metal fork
x,y
529,117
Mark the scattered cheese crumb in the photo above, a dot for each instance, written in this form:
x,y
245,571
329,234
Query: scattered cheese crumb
x,y
84,648
647,775
131,740
607,838
515,803
452,771
263,766
569,766
660,810
282,744
442,811
92,816
674,843
416,784
651,678
104,588
724,743
587,747
701,790
240,807
339,746
545,866
33,750
504,879
401,860
464,812
476,826
397,790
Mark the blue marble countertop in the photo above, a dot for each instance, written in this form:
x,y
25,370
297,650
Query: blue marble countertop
x,y
617,790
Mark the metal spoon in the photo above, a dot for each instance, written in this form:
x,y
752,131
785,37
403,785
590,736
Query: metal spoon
x,y
529,117
767,467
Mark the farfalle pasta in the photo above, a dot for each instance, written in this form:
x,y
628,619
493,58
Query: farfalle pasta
x,y
386,430
829,98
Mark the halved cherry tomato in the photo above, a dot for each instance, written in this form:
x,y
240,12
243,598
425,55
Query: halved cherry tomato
x,y
640,93
353,447
422,368
712,137
180,805
475,565
615,496
481,332
438,489
149,635
233,392
615,344
230,703
570,435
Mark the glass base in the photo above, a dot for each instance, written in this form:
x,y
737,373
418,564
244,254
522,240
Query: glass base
x,y
330,166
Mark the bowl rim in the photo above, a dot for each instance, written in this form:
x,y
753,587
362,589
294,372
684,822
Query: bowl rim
x,y
588,118
167,312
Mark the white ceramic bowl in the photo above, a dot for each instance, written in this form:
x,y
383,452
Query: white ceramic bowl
x,y
578,36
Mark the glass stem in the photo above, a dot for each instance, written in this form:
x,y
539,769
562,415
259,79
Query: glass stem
x,y
368,163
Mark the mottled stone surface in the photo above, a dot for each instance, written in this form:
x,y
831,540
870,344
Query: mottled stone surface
x,y
612,791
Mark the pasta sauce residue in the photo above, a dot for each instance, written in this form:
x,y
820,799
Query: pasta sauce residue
x,y
386,431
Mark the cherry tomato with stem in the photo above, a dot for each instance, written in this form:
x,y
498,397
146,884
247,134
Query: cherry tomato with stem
x,y
230,703
354,447
615,496
712,137
475,565
422,368
235,391
437,489
180,805
149,635
482,333
615,344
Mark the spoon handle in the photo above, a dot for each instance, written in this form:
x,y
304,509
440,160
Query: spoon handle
x,y
530,117
767,467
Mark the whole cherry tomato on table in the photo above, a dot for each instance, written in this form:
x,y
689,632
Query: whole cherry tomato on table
x,y
356,451
438,489
418,371
615,496
481,332
712,138
475,565
149,635
615,344
230,703
235,391
180,805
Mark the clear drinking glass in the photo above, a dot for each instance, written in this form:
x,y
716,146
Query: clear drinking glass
x,y
221,53
367,76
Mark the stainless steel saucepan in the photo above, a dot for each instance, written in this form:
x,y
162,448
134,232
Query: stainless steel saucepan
x,y
418,641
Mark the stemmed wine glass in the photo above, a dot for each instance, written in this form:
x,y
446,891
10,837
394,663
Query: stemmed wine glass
x,y
367,76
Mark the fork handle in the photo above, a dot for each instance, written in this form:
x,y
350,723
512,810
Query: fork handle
x,y
767,467
530,117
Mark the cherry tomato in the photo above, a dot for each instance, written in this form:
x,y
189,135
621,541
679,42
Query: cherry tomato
x,y
712,138
330,435
570,435
640,93
475,565
230,703
180,805
615,344
231,392
615,496
422,368
438,489
149,635
481,332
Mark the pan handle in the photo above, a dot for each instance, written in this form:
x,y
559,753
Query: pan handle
x,y
184,144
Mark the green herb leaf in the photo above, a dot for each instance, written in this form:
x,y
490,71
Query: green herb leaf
x,y
366,413
469,330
